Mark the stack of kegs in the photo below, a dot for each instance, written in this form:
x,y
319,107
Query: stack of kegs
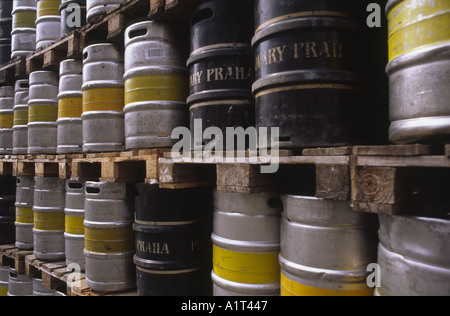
x,y
6,119
23,36
5,31
48,22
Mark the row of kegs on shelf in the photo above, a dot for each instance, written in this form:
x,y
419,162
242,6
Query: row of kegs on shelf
x,y
167,243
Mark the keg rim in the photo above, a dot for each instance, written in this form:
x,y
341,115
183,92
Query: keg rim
x,y
245,288
153,70
221,95
228,50
419,129
154,106
245,246
167,266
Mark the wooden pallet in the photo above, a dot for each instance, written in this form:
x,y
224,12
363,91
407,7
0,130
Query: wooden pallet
x,y
13,257
179,10
12,71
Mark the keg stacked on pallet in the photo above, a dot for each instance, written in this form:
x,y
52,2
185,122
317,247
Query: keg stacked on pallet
x,y
48,22
6,119
155,83
419,70
221,66
5,31
73,15
20,128
109,236
19,285
172,241
98,8
70,107
246,244
4,280
24,213
42,112
103,98
23,36
7,200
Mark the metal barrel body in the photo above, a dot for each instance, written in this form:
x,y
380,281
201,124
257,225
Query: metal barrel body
x,y
73,15
325,248
48,22
42,112
155,83
419,70
5,31
307,71
74,227
40,290
20,128
103,98
4,280
48,207
23,35
19,285
6,119
246,244
413,256
109,237
221,66
171,240
24,213
98,8
70,107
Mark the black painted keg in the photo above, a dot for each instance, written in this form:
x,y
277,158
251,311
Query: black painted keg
x,y
221,65
73,15
307,71
7,209
5,31
171,241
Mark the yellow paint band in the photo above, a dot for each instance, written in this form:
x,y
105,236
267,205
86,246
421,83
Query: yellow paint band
x,y
109,240
3,290
292,288
307,87
43,113
24,19
53,221
21,117
24,215
415,24
248,268
74,225
6,120
173,87
70,107
103,99
47,7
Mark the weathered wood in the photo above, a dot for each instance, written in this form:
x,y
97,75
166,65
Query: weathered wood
x,y
447,150
394,150
333,182
243,178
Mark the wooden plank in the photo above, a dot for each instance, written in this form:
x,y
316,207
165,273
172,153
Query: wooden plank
x,y
447,150
243,178
333,182
336,151
403,161
393,150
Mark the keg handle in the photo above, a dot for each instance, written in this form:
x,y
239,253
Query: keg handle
x,y
202,15
75,185
138,32
91,190
24,85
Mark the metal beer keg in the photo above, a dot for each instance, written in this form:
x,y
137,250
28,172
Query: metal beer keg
x,y
20,128
19,285
97,8
24,213
6,119
48,22
23,35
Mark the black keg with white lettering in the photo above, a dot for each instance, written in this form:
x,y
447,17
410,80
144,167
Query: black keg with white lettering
x,y
307,71
172,241
221,65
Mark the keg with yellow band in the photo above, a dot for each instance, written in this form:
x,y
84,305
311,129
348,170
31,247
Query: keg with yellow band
x,y
415,24
249,268
109,240
24,18
103,99
24,215
49,221
70,107
74,225
43,112
6,119
3,290
21,116
47,7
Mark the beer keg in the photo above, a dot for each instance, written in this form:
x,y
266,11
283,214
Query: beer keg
x,y
171,241
221,66
42,112
307,71
20,128
5,31
103,98
6,119
246,244
325,248
155,83
98,8
70,107
7,200
413,256
40,290
419,70
24,213
109,237
19,285
48,207
73,15
23,35
4,280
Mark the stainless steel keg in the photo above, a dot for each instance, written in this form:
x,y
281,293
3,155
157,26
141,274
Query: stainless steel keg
x,y
413,256
6,119
6,97
23,35
246,244
24,213
155,84
325,248
97,8
4,280
20,128
19,285
48,30
109,237
40,290
103,98
48,207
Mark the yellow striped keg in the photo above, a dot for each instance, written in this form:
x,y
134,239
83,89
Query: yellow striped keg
x,y
4,280
20,128
325,248
24,213
246,244
419,70
70,107
156,84
47,7
103,98
48,207
23,35
109,237
48,22
6,131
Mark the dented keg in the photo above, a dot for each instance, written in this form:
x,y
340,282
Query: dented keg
x,y
24,213
42,112
307,68
48,207
98,8
155,83
171,241
74,228
109,237
325,248
20,128
23,35
19,285
70,107
73,15
419,70
413,256
103,98
246,244
4,280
